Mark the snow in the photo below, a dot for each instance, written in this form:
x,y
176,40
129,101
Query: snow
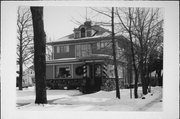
x,y
73,100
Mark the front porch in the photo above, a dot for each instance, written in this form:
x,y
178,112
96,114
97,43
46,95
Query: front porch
x,y
88,74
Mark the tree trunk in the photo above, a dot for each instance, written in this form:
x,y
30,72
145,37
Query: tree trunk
x,y
143,79
39,54
133,56
129,74
114,57
159,77
20,63
136,84
20,75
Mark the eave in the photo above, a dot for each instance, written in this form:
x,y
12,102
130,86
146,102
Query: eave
x,y
83,40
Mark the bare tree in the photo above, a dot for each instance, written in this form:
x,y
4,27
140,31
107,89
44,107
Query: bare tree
x,y
109,13
128,28
121,53
24,36
144,28
39,54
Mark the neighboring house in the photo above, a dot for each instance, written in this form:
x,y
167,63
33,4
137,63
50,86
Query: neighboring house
x,y
84,59
28,77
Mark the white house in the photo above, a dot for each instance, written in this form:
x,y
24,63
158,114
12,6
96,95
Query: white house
x,y
29,77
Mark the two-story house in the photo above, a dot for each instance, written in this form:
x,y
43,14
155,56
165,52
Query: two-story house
x,y
84,59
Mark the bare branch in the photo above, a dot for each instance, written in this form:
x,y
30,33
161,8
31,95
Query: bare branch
x,y
101,12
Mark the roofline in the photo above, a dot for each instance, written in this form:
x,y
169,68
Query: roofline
x,y
84,40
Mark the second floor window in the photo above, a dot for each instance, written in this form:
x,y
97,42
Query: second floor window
x,y
63,49
102,44
88,33
83,50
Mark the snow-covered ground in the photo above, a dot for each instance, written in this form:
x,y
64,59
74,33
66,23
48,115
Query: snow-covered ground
x,y
71,100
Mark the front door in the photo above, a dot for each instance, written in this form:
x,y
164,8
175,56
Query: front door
x,y
94,76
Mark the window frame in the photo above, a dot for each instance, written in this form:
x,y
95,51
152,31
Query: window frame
x,y
63,49
102,44
83,50
62,66
83,32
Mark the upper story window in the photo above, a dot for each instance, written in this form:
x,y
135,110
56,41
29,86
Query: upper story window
x,y
83,32
88,32
76,34
83,50
63,49
102,44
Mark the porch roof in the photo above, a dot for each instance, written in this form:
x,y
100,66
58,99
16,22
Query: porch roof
x,y
95,57
90,58
63,60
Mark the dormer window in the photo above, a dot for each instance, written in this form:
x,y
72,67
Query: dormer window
x,y
76,35
82,32
88,32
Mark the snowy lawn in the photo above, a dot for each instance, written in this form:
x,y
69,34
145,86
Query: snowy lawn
x,y
101,101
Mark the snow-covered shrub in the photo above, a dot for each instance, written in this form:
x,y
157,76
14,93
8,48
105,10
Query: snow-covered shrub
x,y
108,84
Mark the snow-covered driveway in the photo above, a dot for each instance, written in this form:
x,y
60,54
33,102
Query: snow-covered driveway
x,y
100,101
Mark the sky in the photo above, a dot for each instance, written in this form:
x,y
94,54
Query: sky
x,y
58,21
61,21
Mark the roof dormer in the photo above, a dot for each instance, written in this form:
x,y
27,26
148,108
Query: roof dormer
x,y
84,30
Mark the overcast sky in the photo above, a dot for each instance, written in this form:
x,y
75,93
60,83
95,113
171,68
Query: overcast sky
x,y
58,21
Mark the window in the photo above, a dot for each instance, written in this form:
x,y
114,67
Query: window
x,y
98,45
83,50
88,33
102,44
82,32
63,72
62,49
66,48
58,49
77,34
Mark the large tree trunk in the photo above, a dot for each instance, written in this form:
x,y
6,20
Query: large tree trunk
x,y
129,73
39,54
20,75
20,63
136,84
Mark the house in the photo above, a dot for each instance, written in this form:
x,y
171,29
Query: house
x,y
84,59
28,77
